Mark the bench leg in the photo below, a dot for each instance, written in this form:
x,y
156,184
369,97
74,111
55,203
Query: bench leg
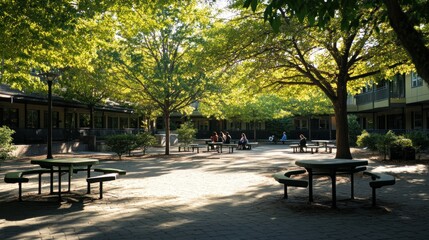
x,y
20,191
352,190
101,190
40,183
285,192
373,197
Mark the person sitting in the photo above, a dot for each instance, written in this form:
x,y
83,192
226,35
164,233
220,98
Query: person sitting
x,y
302,143
284,138
242,142
214,138
272,139
227,138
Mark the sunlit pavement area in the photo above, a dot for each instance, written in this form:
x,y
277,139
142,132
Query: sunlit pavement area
x,y
213,195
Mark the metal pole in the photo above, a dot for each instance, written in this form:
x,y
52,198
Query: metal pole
x,y
49,155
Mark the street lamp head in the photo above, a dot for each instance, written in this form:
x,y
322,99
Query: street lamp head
x,y
48,76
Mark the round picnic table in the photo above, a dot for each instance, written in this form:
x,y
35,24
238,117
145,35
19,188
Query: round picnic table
x,y
329,167
69,163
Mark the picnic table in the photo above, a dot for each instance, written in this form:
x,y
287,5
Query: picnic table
x,y
68,163
324,143
329,167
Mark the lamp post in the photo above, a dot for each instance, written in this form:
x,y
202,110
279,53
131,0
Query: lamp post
x,y
49,77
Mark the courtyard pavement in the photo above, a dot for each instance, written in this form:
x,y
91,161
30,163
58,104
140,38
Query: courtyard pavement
x,y
217,196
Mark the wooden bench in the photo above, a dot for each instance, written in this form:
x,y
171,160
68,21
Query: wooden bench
x,y
250,144
18,177
111,170
197,147
295,147
230,146
185,147
330,147
286,180
314,148
102,178
379,180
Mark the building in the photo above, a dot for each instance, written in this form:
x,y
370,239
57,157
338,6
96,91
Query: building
x,y
400,104
27,115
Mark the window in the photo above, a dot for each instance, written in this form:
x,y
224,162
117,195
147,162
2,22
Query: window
x,y
33,119
417,120
9,117
55,119
98,121
323,124
84,120
123,122
134,122
416,80
301,124
70,121
112,122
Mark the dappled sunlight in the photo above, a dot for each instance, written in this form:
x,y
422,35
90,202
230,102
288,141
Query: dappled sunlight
x,y
172,196
418,169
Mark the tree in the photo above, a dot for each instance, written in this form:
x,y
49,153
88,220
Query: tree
x,y
44,35
408,19
159,60
332,59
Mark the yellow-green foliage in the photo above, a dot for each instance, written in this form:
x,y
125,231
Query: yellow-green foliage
x,y
6,145
186,133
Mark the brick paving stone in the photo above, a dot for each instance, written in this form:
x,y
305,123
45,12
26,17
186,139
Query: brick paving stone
x,y
217,196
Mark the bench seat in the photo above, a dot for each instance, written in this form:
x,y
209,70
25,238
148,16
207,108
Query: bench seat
x,y
314,148
295,147
379,180
102,178
197,147
330,147
285,179
111,170
16,177
185,147
230,146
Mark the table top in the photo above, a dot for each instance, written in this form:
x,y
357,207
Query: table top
x,y
323,141
60,162
331,163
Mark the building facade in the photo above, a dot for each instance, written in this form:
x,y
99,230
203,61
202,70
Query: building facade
x,y
401,105
27,115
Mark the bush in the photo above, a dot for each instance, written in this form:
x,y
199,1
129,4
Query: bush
x,y
420,140
354,129
6,145
385,142
143,141
368,140
402,148
186,133
122,143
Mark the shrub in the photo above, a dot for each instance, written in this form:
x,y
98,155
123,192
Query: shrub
x,y
143,141
186,133
420,140
6,145
368,140
122,143
354,129
383,144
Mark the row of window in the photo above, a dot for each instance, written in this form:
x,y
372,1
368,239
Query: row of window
x,y
10,117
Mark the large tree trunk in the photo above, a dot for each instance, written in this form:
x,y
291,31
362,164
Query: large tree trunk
x,y
167,132
342,133
410,38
